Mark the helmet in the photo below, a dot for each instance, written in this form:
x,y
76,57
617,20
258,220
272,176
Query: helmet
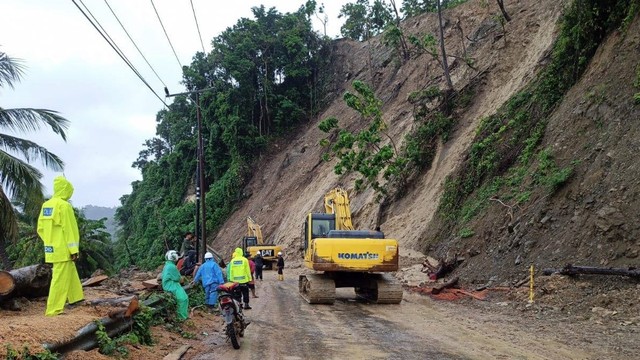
x,y
172,255
280,253
208,255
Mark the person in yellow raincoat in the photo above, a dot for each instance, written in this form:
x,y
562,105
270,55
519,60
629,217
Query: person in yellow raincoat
x,y
239,271
58,230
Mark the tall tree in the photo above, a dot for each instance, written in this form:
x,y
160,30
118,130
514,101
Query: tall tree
x,y
364,20
445,63
19,180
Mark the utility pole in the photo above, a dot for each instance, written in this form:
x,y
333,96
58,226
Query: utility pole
x,y
201,219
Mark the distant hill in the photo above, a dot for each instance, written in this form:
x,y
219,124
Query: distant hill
x,y
98,212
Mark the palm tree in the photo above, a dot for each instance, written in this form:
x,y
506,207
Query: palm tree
x,y
19,180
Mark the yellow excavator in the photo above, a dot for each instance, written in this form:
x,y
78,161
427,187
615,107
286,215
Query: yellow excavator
x,y
346,257
254,243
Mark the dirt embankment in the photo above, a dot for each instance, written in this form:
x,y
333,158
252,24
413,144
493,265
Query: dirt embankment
x,y
292,179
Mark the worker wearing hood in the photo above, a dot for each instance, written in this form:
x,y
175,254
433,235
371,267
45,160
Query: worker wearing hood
x,y
239,271
58,230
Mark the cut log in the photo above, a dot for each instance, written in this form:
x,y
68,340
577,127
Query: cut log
x,y
31,282
177,355
592,270
449,284
151,284
95,280
7,284
133,306
110,301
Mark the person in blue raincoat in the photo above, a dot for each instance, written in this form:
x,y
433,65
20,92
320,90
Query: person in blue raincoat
x,y
171,283
211,276
58,229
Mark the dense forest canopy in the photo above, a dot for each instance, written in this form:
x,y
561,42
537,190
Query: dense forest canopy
x,y
265,76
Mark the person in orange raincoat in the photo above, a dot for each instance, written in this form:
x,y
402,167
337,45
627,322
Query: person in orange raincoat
x,y
58,229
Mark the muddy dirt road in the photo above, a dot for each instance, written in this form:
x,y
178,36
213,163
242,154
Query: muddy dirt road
x,y
284,326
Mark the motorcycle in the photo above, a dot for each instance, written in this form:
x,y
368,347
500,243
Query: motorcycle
x,y
230,299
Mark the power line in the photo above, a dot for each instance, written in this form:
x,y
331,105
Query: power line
x,y
197,26
113,45
165,34
134,43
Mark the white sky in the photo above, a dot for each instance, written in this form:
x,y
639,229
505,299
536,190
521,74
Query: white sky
x,y
71,69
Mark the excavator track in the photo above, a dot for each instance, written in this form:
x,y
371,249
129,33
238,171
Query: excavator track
x,y
385,291
317,289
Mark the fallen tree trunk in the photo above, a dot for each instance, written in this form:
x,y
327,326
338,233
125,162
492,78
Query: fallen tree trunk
x,y
177,354
110,301
94,280
449,284
592,270
31,282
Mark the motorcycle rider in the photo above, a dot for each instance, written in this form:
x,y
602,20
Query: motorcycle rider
x,y
239,271
171,283
211,276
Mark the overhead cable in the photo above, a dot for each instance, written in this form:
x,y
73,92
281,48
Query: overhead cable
x,y
113,45
197,26
134,43
165,34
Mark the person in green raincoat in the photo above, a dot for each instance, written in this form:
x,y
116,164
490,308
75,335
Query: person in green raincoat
x,y
171,283
58,229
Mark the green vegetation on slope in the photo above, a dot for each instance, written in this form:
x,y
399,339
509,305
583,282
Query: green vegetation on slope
x,y
267,77
505,156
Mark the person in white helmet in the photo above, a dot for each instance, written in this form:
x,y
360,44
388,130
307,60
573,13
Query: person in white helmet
x,y
210,275
280,265
171,283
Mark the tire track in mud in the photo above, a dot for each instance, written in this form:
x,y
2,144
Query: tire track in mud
x,y
345,330
284,326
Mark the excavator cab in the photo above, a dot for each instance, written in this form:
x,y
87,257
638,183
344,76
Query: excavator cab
x,y
249,241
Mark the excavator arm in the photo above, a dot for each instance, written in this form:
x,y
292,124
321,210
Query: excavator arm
x,y
337,202
253,229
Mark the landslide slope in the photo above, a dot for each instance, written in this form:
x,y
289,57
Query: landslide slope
x,y
591,219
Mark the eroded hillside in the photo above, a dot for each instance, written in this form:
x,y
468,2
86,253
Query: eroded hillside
x,y
591,219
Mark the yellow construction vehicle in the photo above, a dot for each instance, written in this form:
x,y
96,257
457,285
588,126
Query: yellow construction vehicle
x,y
254,243
347,257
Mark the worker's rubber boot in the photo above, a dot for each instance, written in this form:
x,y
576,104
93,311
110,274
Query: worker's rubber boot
x,y
280,277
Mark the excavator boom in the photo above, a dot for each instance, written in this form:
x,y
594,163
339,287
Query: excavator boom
x,y
253,229
337,202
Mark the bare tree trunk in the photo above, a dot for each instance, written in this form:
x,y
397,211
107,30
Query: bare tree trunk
x,y
4,257
502,9
464,48
445,64
8,228
403,41
266,97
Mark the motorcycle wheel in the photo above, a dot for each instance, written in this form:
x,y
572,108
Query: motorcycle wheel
x,y
231,332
